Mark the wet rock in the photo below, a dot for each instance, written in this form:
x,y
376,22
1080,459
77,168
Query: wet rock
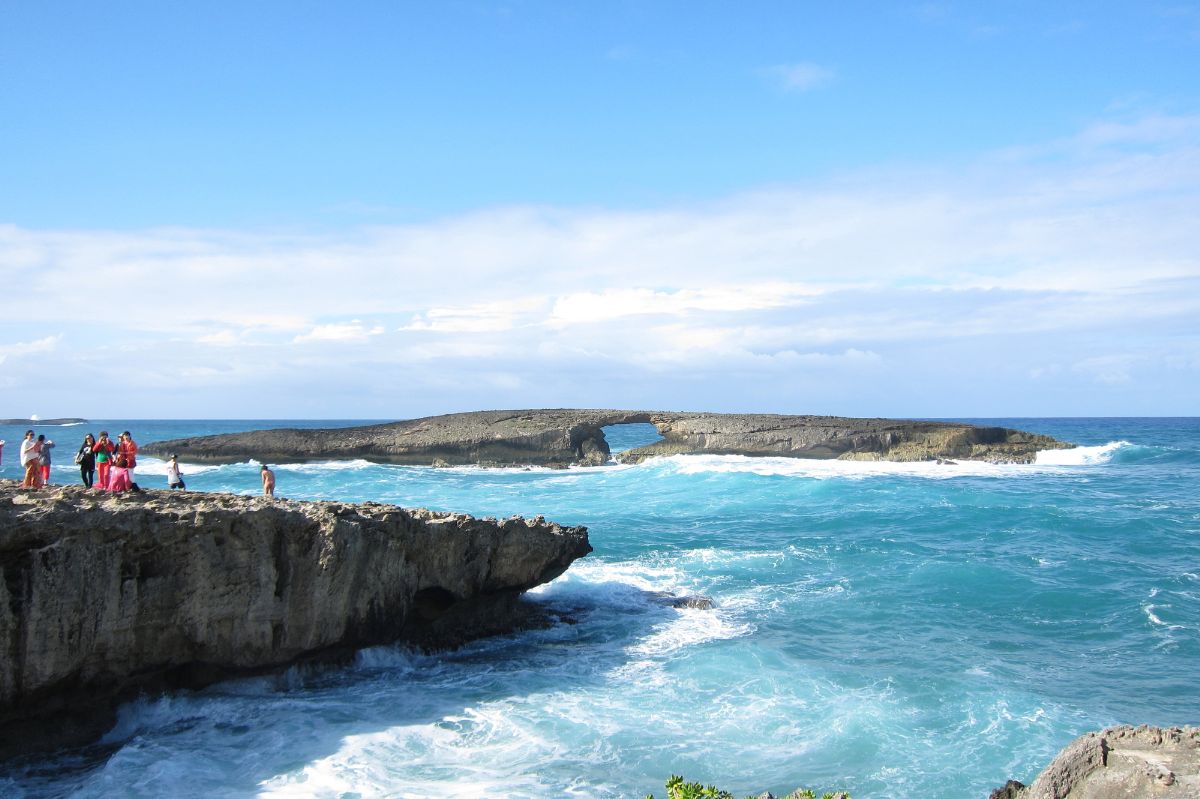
x,y
693,602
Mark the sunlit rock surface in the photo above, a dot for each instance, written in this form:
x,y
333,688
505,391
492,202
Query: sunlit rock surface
x,y
560,438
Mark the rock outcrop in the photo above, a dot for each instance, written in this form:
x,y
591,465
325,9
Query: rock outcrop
x,y
839,437
106,595
560,438
1119,763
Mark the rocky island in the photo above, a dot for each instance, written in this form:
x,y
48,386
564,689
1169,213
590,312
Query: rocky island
x,y
561,438
105,595
42,422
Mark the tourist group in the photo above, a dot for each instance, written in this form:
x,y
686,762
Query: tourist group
x,y
103,464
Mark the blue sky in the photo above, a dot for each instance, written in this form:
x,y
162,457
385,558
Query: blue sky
x,y
385,210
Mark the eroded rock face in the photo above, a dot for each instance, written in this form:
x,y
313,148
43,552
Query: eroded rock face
x,y
106,594
560,438
839,437
1120,763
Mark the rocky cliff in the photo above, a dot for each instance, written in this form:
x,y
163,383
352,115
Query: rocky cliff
x,y
561,438
104,595
1120,763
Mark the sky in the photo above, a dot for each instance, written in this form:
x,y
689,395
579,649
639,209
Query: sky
x,y
385,210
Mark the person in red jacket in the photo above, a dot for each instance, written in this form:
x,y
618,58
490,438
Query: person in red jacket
x,y
104,451
127,448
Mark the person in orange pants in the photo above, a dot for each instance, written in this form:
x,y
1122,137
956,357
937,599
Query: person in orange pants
x,y
103,450
31,460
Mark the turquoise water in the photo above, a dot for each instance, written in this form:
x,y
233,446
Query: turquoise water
x,y
896,630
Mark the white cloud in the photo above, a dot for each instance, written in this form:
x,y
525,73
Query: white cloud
x,y
1039,256
23,348
479,318
1107,369
801,77
352,332
596,306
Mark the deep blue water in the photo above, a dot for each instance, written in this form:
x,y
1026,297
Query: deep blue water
x,y
908,630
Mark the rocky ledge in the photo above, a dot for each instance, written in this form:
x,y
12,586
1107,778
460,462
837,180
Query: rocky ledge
x,y
1120,763
560,438
107,595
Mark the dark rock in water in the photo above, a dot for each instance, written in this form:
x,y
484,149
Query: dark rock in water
x,y
1011,790
1119,763
105,595
693,602
561,438
675,601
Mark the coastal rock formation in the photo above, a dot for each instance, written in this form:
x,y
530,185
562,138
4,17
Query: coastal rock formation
x,y
560,438
1120,763
839,437
107,594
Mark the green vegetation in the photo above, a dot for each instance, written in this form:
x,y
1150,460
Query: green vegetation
x,y
678,789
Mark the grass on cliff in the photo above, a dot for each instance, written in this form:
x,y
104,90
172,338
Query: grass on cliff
x,y
678,789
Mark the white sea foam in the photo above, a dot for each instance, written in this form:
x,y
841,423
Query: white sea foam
x,y
860,470
320,466
826,469
1080,456
147,465
1153,617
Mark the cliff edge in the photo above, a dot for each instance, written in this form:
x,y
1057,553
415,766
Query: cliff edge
x,y
106,595
565,437
1119,763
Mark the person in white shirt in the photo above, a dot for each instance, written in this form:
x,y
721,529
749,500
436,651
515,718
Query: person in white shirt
x,y
31,461
174,477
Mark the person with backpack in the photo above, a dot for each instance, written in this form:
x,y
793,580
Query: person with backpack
x,y
87,460
44,457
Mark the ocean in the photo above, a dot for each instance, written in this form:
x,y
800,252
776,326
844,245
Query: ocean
x,y
894,630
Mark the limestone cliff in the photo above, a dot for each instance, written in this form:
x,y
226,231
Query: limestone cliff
x,y
104,595
561,438
1119,763
840,437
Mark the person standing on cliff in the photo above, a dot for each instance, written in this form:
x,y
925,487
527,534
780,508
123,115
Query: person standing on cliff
x,y
174,476
103,449
44,458
87,460
268,481
31,461
1,451
127,448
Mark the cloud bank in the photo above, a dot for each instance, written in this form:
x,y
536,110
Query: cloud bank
x,y
1057,279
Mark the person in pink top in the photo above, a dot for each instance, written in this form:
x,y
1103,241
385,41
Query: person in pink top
x,y
118,476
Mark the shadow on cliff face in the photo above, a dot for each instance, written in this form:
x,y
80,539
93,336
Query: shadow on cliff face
x,y
243,735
